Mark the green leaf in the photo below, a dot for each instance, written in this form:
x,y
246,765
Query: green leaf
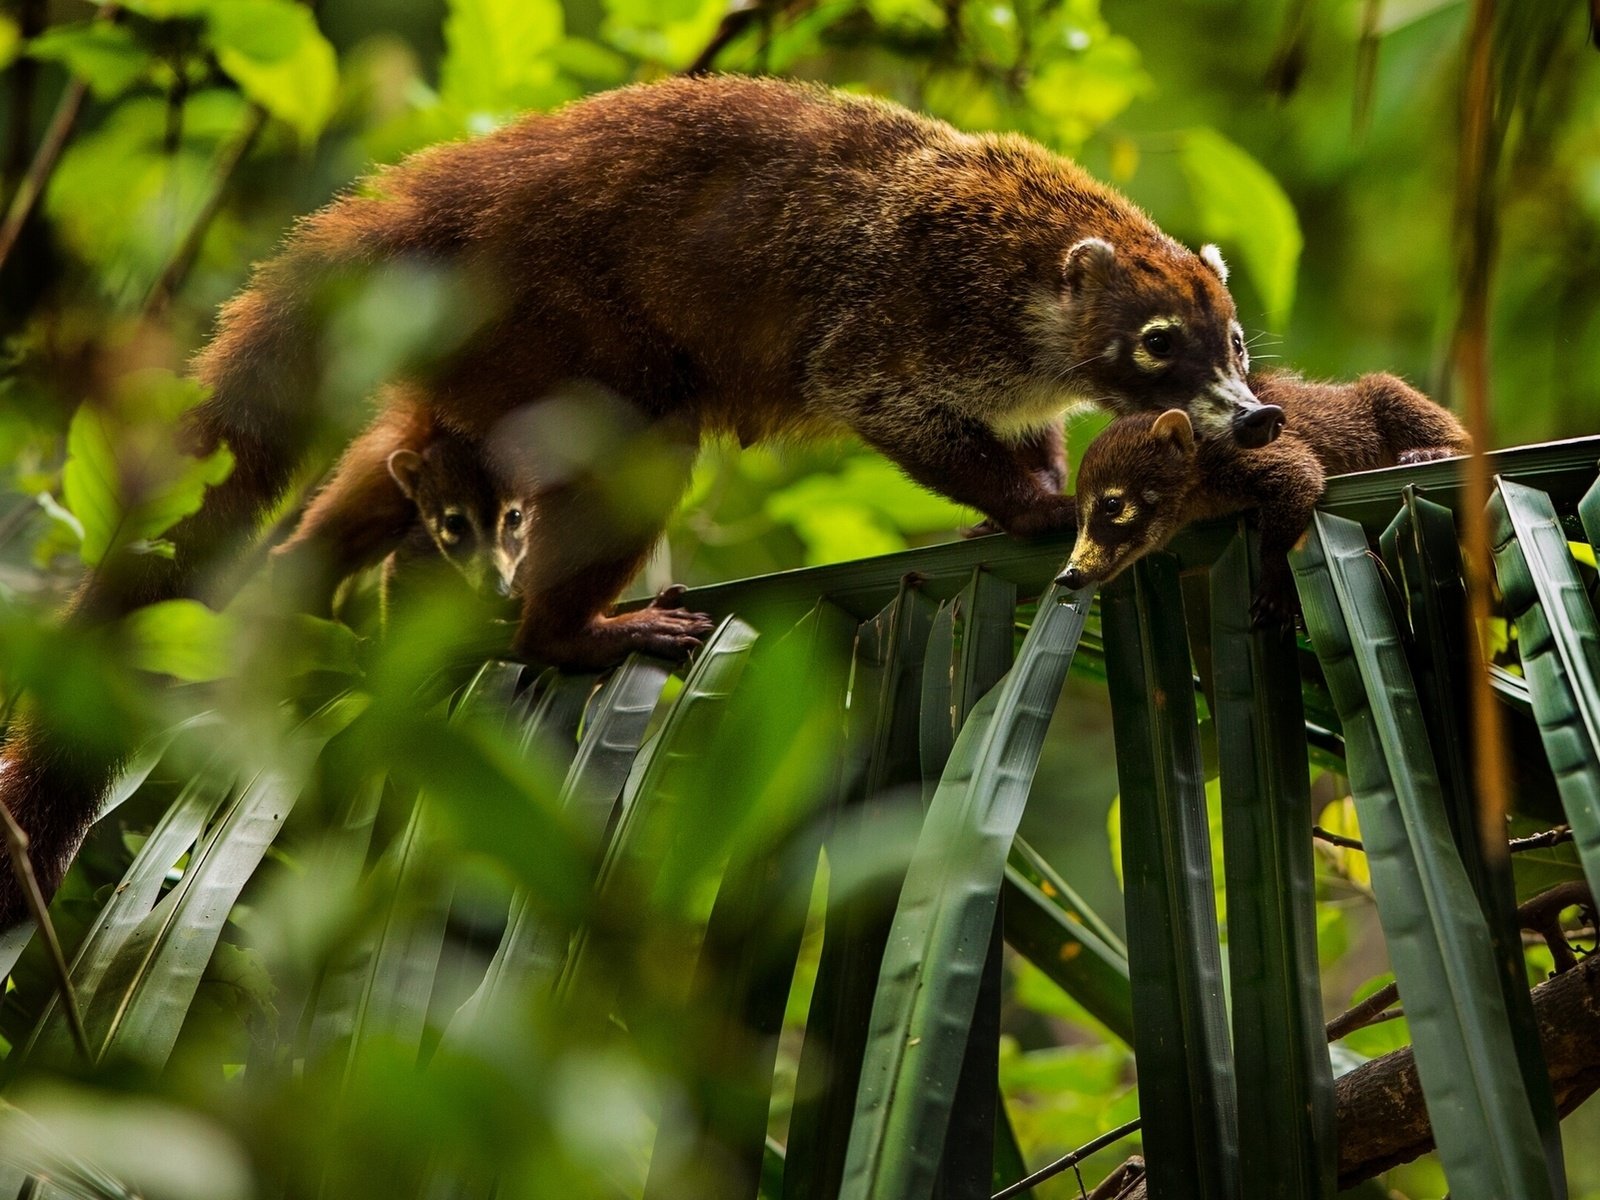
x,y
103,55
1438,941
181,638
498,57
1240,204
928,988
124,480
1560,643
280,59
1289,1149
1186,1081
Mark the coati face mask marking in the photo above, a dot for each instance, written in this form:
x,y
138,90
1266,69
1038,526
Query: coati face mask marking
x,y
1152,326
456,505
511,544
1133,487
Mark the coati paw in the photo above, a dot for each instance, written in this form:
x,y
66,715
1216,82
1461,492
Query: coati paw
x,y
983,528
1276,603
1424,454
670,633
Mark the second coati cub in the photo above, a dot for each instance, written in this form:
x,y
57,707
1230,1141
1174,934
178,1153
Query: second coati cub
x,y
465,517
1147,476
708,256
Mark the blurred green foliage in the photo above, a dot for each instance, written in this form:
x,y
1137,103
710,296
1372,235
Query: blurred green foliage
x,y
1314,141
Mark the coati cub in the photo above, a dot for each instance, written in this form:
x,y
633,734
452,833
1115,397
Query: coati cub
x,y
465,517
1147,476
715,255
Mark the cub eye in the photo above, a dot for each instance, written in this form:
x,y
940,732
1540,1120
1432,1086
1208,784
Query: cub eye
x,y
1159,343
1111,505
513,518
456,525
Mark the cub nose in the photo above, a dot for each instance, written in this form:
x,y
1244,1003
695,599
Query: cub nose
x,y
1071,577
1255,427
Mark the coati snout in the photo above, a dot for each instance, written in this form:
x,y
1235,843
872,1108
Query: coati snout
x,y
1152,326
1133,491
476,526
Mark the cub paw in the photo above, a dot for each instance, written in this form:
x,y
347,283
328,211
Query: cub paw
x,y
983,528
1424,454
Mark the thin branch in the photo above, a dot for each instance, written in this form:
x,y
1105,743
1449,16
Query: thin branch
x,y
62,125
1368,1012
1534,841
1066,1163
1336,839
183,259
22,865
740,16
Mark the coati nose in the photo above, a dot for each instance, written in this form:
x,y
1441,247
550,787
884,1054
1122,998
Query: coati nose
x,y
1071,577
1255,427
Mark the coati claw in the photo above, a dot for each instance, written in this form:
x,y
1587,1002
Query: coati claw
x,y
983,528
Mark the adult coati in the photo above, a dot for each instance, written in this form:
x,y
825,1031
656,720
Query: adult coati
x,y
704,256
1147,476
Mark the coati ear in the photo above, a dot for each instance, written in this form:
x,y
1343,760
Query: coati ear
x,y
1089,261
1174,426
1212,257
404,467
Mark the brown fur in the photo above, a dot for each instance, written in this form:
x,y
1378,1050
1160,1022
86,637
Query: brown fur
x,y
1146,477
715,255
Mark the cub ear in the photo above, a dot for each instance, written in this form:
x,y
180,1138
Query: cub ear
x,y
404,468
1090,261
1173,426
1212,257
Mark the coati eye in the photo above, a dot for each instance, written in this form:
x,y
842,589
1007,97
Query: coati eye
x,y
456,525
1238,344
513,518
1111,505
1158,342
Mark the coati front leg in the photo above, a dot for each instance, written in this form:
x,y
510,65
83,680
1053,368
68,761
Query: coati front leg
x,y
584,542
962,458
1043,454
359,516
1283,482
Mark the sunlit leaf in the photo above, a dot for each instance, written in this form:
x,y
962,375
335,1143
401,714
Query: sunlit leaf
x,y
124,480
103,55
275,52
497,56
1241,205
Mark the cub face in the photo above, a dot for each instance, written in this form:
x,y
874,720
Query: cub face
x,y
1151,326
1133,489
476,527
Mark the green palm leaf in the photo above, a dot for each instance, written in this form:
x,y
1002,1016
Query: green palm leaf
x,y
930,979
1438,941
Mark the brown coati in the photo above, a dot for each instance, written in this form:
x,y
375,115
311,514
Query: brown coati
x,y
1147,476
710,255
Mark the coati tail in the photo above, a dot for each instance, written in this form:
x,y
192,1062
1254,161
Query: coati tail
x,y
264,388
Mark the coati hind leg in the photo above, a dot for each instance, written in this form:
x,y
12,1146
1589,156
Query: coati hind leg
x,y
967,461
584,543
1413,427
